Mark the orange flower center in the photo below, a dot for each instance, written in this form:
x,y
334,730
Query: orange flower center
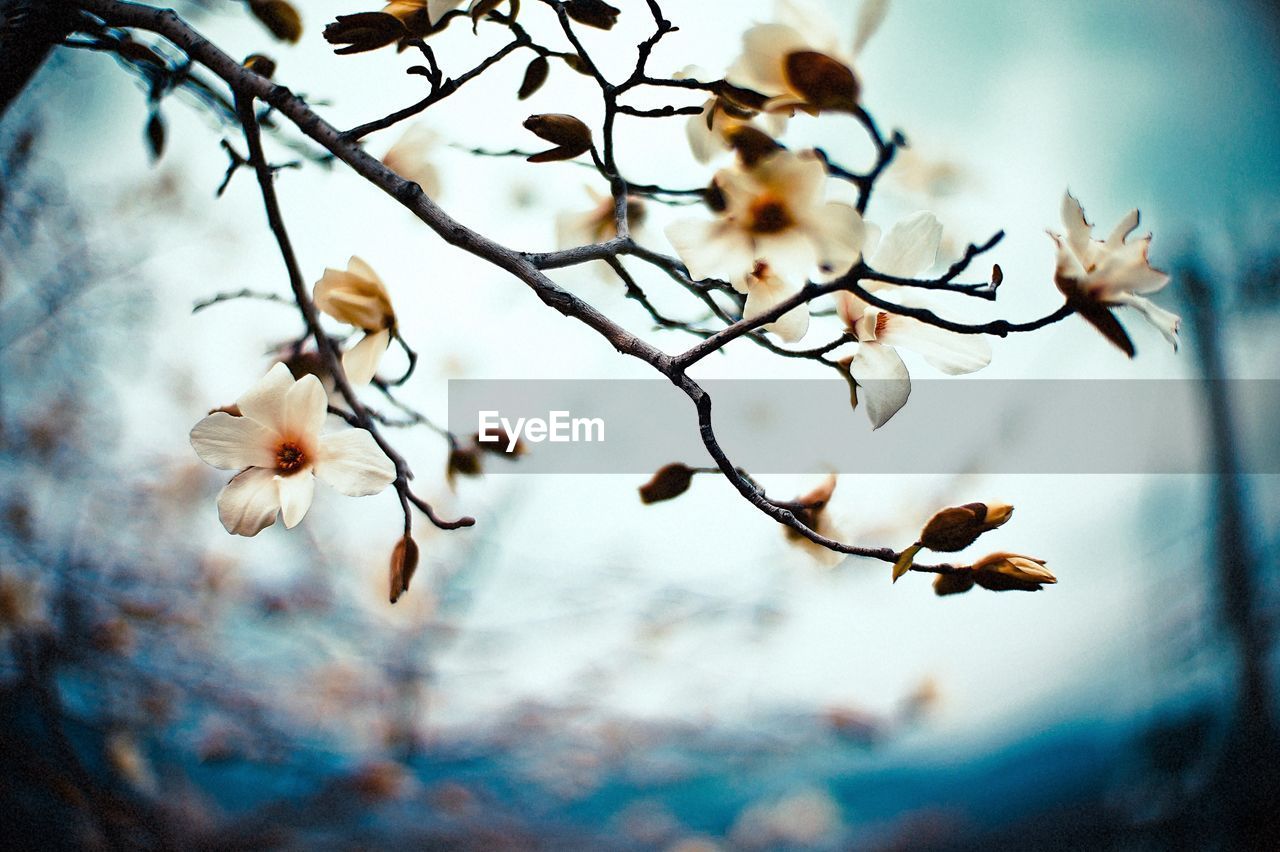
x,y
769,216
290,458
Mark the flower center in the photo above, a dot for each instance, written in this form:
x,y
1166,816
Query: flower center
x,y
769,216
290,458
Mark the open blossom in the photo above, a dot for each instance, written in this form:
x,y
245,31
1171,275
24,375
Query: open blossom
x,y
1097,275
276,444
359,298
797,60
410,157
909,250
775,230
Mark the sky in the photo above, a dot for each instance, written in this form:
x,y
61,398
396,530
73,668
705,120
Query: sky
x,y
568,591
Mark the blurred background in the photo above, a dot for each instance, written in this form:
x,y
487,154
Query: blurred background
x,y
578,670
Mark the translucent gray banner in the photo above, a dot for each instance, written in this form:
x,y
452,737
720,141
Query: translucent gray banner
x,y
948,426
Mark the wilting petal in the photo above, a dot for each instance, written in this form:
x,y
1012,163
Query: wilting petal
x,y
764,293
1165,321
910,248
295,496
361,361
1123,229
1079,231
249,502
305,407
870,17
883,381
712,249
837,233
264,401
351,462
233,443
948,351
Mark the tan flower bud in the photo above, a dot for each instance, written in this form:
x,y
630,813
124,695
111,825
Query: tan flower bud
x,y
952,584
593,13
280,17
751,144
668,483
404,561
958,527
534,76
463,461
1001,572
261,64
364,31
823,82
570,136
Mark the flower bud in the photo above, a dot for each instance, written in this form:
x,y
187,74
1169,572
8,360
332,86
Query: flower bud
x,y
1002,572
823,82
463,461
534,76
404,561
593,13
364,31
668,483
260,64
952,584
570,136
958,527
751,144
278,16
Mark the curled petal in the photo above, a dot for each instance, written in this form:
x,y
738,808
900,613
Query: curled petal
x,y
295,496
883,381
1166,322
249,502
361,361
233,443
1123,229
351,462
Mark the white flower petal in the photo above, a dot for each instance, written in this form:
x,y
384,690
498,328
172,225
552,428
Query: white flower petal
x,y
712,249
233,443
910,248
437,8
295,496
1123,229
249,502
1166,322
883,381
948,351
305,407
837,233
789,253
361,361
264,401
1079,231
761,67
351,462
870,17
763,294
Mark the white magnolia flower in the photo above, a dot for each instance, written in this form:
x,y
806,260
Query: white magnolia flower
x,y
909,250
774,231
598,224
276,445
797,61
359,298
410,157
1096,275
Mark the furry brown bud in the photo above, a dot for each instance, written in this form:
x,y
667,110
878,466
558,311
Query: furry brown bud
x,y
593,13
668,483
958,527
823,82
404,561
364,31
280,17
1003,572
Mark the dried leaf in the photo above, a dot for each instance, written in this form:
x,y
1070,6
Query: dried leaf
x,y
668,483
